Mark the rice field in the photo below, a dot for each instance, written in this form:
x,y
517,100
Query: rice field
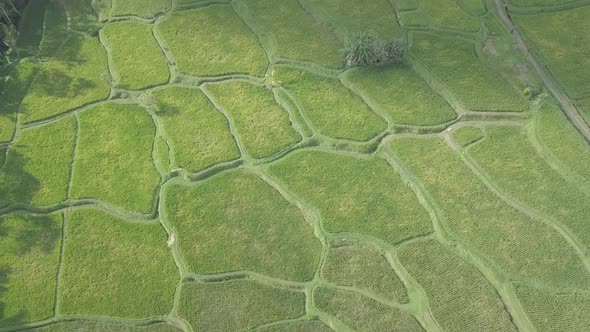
x,y
226,165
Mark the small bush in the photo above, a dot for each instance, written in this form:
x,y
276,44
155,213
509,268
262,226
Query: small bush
x,y
360,50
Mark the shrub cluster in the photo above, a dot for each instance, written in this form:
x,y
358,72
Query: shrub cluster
x,y
360,49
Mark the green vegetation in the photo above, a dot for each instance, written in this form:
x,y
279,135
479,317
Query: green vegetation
x,y
30,30
13,91
562,140
454,63
363,268
361,313
584,108
534,3
514,165
113,157
380,205
465,136
97,326
459,297
331,108
138,60
225,44
376,18
287,31
519,245
362,50
38,165
237,305
55,30
567,58
115,268
400,94
198,133
238,229
29,250
142,8
554,312
263,125
299,326
69,80
448,14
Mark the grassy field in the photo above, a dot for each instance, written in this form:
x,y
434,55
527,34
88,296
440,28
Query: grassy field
x,y
519,245
400,94
376,18
227,46
454,63
263,125
37,166
460,298
287,31
113,157
515,166
332,109
72,78
225,165
554,312
362,313
198,132
237,305
138,60
567,58
240,229
380,205
363,268
28,265
115,268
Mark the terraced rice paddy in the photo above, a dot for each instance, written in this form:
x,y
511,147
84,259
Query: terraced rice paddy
x,y
193,165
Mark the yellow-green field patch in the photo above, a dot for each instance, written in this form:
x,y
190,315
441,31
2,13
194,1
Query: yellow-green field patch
x,y
115,268
114,157
231,223
263,125
199,134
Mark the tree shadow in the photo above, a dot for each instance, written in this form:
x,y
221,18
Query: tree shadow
x,y
164,109
18,185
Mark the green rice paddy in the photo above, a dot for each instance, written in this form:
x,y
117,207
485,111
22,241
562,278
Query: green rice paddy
x,y
196,165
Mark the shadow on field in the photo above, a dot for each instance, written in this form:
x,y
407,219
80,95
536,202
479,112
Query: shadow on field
x,y
165,109
17,183
18,239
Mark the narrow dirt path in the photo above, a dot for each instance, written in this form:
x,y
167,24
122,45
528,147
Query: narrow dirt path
x,y
564,101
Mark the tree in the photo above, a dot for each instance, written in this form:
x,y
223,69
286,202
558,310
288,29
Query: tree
x,y
360,49
8,30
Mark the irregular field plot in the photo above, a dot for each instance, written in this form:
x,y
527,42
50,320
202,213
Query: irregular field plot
x,y
448,14
568,58
199,134
362,313
354,195
82,16
514,165
235,221
533,3
376,18
287,31
139,61
364,268
465,136
401,95
55,30
30,30
29,258
70,79
91,326
332,109
13,91
299,326
263,126
112,267
225,44
563,141
459,296
554,312
142,8
454,63
38,165
237,305
114,157
520,245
